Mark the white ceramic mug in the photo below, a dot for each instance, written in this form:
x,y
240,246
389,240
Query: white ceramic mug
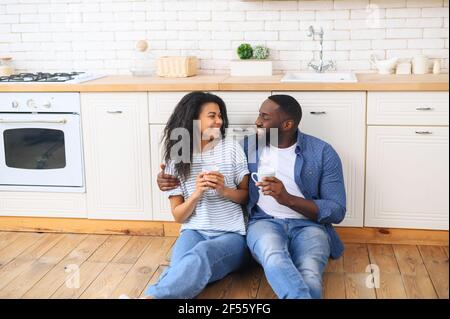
x,y
207,168
261,175
420,64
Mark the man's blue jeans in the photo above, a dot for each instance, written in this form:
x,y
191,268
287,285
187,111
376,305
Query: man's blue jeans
x,y
198,260
293,255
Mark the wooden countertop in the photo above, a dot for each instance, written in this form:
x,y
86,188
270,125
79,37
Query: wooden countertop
x,y
366,82
127,83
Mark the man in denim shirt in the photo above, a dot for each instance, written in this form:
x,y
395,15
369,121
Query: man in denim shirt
x,y
290,230
290,234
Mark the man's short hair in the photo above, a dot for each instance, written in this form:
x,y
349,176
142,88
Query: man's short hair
x,y
288,105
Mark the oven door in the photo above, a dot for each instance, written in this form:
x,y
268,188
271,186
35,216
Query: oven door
x,y
40,150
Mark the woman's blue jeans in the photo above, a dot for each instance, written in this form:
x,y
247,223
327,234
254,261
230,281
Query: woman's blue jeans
x,y
197,260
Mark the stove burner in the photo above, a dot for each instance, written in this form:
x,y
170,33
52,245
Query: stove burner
x,y
40,77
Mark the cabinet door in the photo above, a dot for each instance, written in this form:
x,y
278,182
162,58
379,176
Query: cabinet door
x,y
160,203
407,177
339,119
116,139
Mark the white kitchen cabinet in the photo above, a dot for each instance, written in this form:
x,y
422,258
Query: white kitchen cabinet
x,y
117,159
339,119
407,160
407,177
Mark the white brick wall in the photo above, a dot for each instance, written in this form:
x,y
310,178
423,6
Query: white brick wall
x,y
99,35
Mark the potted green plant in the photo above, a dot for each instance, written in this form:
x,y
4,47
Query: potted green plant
x,y
260,52
245,51
253,61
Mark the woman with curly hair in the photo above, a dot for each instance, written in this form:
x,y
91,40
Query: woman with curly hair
x,y
213,177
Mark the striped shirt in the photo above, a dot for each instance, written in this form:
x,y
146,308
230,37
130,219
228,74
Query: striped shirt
x,y
214,214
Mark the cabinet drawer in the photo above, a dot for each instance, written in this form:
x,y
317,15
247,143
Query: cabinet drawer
x,y
43,204
240,131
242,108
407,108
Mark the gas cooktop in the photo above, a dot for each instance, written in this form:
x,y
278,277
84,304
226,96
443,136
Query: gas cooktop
x,y
43,77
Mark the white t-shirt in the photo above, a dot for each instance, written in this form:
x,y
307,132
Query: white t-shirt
x,y
283,160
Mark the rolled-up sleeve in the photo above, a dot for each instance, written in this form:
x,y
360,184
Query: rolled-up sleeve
x,y
240,164
170,169
332,199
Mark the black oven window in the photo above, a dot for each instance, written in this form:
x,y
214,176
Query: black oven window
x,y
34,148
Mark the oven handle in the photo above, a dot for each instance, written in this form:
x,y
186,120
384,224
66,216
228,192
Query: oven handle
x,y
63,121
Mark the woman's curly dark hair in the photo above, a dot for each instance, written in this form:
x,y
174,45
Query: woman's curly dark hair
x,y
186,111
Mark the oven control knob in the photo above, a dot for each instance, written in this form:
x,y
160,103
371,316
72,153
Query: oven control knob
x,y
47,104
31,104
15,104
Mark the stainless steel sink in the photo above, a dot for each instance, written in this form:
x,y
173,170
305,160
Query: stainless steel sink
x,y
320,77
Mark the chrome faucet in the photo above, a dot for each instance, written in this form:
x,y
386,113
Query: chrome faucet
x,y
321,67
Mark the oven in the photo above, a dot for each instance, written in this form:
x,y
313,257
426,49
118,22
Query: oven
x,y
41,142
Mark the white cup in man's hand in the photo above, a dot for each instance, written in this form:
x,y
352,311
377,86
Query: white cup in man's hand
x,y
260,175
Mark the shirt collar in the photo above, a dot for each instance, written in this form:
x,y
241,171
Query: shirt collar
x,y
298,148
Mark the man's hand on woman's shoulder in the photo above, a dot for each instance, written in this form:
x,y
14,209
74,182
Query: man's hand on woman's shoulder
x,y
166,182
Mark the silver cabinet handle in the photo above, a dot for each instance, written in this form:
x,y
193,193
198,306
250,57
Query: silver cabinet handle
x,y
318,113
424,108
63,121
114,112
240,130
424,132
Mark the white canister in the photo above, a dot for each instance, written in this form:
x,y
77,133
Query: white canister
x,y
436,66
420,64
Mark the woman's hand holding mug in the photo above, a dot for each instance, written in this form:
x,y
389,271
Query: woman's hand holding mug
x,y
201,186
216,181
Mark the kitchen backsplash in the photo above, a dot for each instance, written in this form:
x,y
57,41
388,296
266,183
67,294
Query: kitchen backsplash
x,y
100,35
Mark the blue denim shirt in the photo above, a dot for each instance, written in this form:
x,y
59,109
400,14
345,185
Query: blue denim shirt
x,y
318,174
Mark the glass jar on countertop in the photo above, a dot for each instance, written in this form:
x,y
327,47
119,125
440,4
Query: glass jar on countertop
x,y
6,67
143,63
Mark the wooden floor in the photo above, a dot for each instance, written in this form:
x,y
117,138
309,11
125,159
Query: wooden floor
x,y
45,265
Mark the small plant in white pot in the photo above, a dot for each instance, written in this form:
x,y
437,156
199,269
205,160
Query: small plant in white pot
x,y
253,61
260,52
